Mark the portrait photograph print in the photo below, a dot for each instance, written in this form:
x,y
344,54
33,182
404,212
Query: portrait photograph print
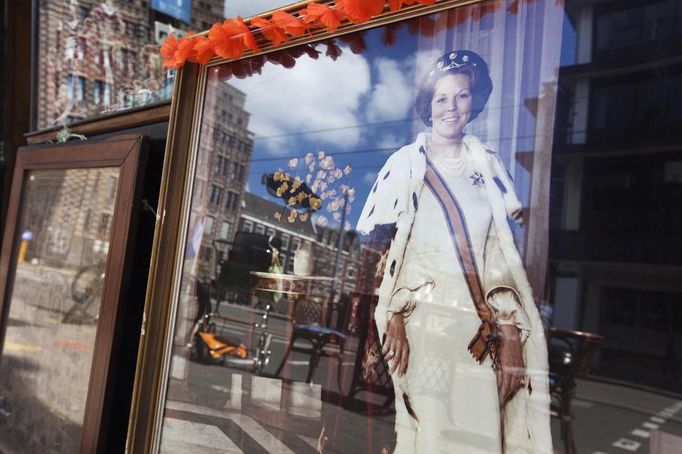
x,y
394,183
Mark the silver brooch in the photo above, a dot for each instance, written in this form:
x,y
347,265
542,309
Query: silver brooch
x,y
477,179
453,55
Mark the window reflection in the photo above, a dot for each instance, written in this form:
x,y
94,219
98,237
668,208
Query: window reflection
x,y
275,330
65,226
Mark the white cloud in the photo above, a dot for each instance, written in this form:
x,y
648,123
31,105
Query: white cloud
x,y
392,95
316,95
369,178
390,142
247,8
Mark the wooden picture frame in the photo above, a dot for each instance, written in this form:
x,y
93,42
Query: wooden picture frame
x,y
127,155
177,187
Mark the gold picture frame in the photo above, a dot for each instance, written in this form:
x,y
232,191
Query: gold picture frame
x,y
174,200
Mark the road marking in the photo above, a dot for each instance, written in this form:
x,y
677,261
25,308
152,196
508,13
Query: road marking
x,y
657,420
296,362
582,404
650,425
181,436
19,347
310,440
626,444
264,438
665,414
641,433
246,423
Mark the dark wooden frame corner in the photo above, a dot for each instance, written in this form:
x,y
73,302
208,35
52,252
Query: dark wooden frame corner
x,y
128,153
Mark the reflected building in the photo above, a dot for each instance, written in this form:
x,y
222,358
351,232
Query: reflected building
x,y
101,56
222,167
70,215
258,217
616,215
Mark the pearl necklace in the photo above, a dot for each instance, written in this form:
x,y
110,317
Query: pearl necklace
x,y
452,166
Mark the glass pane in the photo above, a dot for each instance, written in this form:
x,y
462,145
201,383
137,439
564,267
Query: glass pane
x,y
277,341
63,243
103,56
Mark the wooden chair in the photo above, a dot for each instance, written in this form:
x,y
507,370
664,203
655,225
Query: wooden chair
x,y
311,322
570,357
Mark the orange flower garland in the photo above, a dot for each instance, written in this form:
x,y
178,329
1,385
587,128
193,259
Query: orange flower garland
x,y
233,37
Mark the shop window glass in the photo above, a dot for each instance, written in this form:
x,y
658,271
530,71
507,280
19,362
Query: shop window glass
x,y
318,188
116,41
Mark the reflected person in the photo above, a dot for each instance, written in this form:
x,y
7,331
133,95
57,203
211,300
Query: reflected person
x,y
462,335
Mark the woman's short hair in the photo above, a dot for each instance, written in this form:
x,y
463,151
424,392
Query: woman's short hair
x,y
455,62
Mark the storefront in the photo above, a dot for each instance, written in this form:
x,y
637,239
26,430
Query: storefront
x,y
357,226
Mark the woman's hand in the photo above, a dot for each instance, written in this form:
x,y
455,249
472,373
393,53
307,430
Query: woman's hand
x,y
511,375
396,346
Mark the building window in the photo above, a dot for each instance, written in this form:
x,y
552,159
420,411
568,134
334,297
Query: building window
x,y
215,195
208,225
97,91
285,241
104,221
260,229
247,226
295,243
231,201
107,94
113,183
224,230
207,253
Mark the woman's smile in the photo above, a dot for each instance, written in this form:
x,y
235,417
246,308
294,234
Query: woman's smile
x,y
450,108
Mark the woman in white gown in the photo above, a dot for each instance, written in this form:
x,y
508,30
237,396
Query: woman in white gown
x,y
461,332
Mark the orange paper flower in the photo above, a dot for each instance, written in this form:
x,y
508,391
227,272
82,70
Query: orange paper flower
x,y
291,25
328,17
231,38
175,52
360,11
395,5
202,50
272,32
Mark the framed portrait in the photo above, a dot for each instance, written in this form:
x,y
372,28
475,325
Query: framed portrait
x,y
65,263
314,190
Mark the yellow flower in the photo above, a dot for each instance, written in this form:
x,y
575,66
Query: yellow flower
x,y
292,216
296,184
283,187
278,216
304,217
292,201
315,203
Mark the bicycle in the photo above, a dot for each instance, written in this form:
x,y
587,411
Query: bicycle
x,y
86,291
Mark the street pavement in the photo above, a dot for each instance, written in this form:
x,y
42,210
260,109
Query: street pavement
x,y
202,409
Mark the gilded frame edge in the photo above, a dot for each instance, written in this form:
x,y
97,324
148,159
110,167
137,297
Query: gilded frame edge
x,y
174,201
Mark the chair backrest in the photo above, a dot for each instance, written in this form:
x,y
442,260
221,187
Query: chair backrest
x,y
570,353
310,311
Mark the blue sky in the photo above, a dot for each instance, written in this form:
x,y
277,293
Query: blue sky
x,y
357,109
